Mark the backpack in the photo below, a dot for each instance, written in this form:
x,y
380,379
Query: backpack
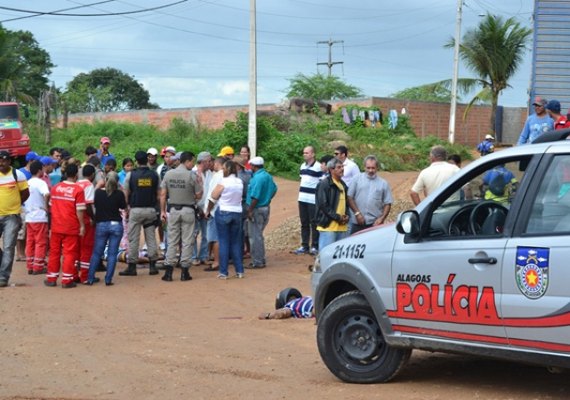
x,y
498,184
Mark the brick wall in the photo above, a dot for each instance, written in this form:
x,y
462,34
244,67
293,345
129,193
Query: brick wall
x,y
433,119
426,118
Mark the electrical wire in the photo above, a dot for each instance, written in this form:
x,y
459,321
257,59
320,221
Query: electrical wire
x,y
63,9
59,14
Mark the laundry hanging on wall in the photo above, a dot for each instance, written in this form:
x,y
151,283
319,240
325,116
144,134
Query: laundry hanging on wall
x,y
368,117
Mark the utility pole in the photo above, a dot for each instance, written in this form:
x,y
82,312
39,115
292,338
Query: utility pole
x,y
252,120
453,106
330,63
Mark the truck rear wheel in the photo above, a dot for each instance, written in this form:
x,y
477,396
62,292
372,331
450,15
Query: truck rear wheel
x,y
351,343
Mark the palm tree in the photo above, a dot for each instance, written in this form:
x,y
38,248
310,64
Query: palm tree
x,y
493,51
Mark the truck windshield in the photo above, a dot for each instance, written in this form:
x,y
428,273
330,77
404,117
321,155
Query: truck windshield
x,y
9,111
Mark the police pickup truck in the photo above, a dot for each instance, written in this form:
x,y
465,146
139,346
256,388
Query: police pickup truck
x,y
480,267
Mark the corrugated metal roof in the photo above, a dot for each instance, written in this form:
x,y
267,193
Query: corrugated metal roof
x,y
551,51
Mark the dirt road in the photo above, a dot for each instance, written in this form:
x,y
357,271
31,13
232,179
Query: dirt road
x,y
146,339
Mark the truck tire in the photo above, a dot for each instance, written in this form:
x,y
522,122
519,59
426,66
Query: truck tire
x,y
351,343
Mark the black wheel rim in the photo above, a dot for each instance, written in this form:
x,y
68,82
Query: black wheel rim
x,y
359,343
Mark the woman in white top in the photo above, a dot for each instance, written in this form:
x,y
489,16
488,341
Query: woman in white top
x,y
228,195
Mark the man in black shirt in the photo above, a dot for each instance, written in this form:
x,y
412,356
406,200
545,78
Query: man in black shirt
x,y
142,192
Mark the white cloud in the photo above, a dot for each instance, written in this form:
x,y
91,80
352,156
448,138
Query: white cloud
x,y
233,88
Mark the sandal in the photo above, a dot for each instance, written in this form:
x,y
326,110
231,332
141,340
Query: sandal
x,y
211,268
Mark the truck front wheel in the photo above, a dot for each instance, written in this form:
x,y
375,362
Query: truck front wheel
x,y
351,343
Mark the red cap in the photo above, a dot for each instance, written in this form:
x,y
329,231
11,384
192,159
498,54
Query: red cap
x,y
105,139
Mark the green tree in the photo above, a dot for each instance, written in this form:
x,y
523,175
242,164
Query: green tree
x,y
320,87
24,66
493,52
106,89
430,92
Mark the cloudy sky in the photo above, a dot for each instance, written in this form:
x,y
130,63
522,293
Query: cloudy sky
x,y
196,52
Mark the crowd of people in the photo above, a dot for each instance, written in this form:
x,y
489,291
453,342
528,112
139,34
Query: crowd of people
x,y
65,216
208,210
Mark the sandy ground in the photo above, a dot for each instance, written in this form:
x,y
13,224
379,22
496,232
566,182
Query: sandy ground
x,y
146,339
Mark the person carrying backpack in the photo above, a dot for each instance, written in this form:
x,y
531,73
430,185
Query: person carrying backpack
x,y
486,146
498,184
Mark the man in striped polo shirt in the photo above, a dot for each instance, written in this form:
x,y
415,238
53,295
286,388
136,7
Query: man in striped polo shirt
x,y
311,174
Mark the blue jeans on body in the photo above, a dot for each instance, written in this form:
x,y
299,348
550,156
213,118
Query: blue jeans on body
x,y
230,240
9,227
201,253
326,238
107,231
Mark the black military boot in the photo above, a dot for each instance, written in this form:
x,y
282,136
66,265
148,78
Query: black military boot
x,y
130,271
185,275
152,270
167,273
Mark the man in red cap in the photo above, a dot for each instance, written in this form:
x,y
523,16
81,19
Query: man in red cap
x,y
167,153
104,154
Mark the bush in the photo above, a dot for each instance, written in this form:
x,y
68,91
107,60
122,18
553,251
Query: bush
x,y
280,140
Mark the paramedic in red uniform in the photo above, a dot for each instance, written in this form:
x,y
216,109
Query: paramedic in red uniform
x,y
67,226
87,241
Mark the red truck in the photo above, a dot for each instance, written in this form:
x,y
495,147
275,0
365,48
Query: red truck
x,y
12,136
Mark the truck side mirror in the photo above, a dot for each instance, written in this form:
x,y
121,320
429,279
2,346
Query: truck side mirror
x,y
26,112
409,223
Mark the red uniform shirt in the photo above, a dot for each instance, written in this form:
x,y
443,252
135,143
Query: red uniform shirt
x,y
89,192
562,123
66,198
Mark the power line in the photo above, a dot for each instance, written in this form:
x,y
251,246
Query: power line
x,y
63,9
60,14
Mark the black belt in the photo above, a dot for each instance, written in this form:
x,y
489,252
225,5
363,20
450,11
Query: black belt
x,y
179,207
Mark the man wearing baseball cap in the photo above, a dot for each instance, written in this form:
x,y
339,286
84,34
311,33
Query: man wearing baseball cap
x,y
104,154
166,153
31,156
260,192
486,146
553,109
152,155
536,124
13,193
227,152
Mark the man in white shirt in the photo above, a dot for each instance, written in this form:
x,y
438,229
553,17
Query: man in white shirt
x,y
351,170
37,221
433,176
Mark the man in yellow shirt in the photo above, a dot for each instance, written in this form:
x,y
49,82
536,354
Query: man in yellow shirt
x,y
332,205
13,193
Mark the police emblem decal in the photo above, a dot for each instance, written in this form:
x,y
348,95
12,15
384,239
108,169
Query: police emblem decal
x,y
531,272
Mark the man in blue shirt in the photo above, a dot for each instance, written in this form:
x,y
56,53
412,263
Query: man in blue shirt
x,y
536,124
260,191
104,154
499,184
486,146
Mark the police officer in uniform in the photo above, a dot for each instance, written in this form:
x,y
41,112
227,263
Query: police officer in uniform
x,y
182,188
142,191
